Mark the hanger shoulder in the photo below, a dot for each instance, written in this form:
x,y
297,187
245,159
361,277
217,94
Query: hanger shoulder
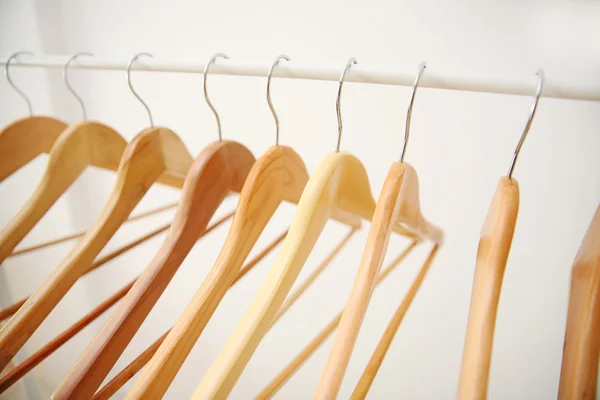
x,y
80,145
143,162
319,198
579,371
277,175
408,202
492,254
217,171
24,140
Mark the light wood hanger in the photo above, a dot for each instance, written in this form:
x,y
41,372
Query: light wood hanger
x,y
26,138
220,169
9,379
292,367
579,371
278,176
369,373
340,181
492,254
398,203
155,155
81,145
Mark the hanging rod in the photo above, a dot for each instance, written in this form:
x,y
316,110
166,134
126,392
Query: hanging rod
x,y
522,85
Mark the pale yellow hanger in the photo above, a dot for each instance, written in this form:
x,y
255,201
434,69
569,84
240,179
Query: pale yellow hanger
x,y
220,169
579,372
154,155
398,203
77,147
340,181
26,138
492,254
278,176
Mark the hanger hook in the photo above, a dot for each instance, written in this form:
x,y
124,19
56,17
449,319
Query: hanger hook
x,y
270,74
208,64
422,67
133,60
338,109
10,81
538,93
66,78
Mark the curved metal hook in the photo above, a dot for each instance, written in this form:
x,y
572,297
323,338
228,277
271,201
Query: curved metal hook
x,y
66,78
133,60
538,93
270,74
208,64
338,109
10,81
422,67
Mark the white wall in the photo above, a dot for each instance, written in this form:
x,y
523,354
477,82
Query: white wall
x,y
461,144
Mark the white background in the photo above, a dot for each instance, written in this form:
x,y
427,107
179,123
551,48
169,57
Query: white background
x,y
461,144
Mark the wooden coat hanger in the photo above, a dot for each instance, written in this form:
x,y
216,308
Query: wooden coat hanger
x,y
398,203
220,169
26,138
492,254
579,372
81,145
278,176
340,181
155,155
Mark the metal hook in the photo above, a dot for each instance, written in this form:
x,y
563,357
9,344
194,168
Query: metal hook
x,y
422,67
208,64
349,63
66,78
270,74
133,60
11,83
538,93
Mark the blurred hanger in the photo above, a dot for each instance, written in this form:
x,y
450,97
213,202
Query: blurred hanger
x,y
79,146
398,203
155,155
492,253
579,372
278,175
339,182
26,138
221,168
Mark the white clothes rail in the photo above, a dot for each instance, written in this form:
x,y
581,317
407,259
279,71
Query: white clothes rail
x,y
522,85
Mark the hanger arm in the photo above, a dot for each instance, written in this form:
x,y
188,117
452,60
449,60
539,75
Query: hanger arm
x,y
398,203
220,169
579,371
81,145
144,160
24,140
492,254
